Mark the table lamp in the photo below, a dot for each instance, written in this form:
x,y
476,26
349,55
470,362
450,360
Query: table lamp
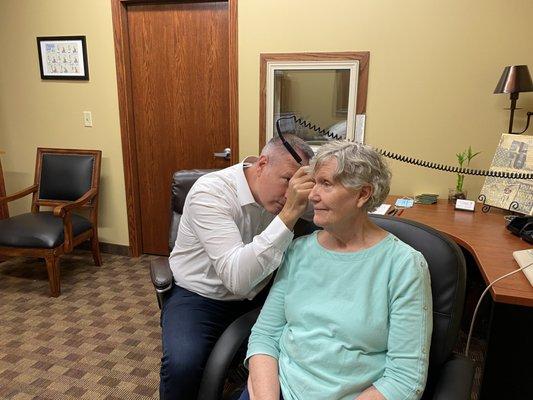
x,y
515,79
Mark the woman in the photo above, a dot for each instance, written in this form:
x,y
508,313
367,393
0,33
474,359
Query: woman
x,y
349,315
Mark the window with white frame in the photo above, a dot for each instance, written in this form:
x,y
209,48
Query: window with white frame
x,y
315,95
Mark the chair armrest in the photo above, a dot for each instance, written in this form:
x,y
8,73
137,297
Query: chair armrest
x,y
18,195
162,278
161,274
222,355
62,210
455,379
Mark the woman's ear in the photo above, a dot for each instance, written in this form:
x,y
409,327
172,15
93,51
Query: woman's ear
x,y
364,194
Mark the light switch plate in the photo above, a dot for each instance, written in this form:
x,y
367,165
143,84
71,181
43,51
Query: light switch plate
x,y
87,119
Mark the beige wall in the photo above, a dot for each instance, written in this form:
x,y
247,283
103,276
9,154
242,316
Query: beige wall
x,y
433,67
37,113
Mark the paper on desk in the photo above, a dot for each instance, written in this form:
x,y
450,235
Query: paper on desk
x,y
381,210
523,258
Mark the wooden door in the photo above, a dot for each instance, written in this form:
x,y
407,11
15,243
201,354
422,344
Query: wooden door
x,y
4,211
179,74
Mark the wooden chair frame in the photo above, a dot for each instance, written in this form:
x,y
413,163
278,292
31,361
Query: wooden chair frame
x,y
64,210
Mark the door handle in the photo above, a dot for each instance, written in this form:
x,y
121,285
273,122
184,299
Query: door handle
x,y
226,154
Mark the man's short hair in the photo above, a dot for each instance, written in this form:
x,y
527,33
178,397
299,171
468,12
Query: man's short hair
x,y
275,147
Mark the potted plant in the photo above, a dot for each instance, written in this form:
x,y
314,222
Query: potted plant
x,y
463,160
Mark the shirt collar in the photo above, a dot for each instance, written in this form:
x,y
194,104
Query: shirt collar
x,y
243,189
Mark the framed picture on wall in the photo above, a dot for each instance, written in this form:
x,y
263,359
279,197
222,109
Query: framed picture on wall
x,y
513,154
63,57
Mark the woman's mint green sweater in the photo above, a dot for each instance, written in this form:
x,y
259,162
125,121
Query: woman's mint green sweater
x,y
340,322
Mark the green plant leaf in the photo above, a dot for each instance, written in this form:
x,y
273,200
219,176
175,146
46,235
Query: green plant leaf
x,y
475,154
469,154
461,158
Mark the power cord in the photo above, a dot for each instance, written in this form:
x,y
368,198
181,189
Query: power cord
x,y
479,302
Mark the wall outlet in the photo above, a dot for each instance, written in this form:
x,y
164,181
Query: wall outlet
x,y
87,119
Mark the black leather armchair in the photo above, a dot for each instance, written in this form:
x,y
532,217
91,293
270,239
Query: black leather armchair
x,y
233,342
66,180
450,375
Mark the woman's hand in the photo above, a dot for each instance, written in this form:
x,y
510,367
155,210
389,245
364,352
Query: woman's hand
x,y
263,382
371,393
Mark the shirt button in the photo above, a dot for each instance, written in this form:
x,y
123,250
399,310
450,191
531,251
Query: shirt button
x,y
425,307
424,350
417,391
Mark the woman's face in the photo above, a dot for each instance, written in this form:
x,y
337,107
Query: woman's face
x,y
335,205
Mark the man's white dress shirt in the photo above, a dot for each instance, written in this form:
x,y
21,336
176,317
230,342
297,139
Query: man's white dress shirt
x,y
227,245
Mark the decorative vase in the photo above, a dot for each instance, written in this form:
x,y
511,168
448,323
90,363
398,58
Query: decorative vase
x,y
454,194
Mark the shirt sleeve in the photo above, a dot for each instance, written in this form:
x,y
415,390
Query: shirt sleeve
x,y
240,266
409,338
267,331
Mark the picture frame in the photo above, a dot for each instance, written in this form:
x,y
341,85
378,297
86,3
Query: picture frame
x,y
63,57
513,154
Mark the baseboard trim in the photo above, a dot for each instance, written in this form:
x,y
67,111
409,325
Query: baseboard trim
x,y
108,248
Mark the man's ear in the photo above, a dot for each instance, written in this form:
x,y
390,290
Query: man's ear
x,y
261,163
364,194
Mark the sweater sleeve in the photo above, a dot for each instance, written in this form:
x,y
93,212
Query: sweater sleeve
x,y
267,331
410,327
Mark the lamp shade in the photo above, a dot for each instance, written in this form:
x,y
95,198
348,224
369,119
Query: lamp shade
x,y
515,79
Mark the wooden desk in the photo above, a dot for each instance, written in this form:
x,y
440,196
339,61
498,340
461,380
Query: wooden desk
x,y
507,366
4,212
487,239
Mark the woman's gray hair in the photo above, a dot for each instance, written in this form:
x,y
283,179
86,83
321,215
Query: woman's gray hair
x,y
357,165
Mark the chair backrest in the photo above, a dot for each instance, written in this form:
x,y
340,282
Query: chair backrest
x,y
447,268
182,182
65,175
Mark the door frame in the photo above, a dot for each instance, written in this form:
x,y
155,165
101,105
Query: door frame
x,y
127,126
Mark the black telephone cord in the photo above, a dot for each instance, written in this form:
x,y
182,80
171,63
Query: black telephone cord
x,y
415,161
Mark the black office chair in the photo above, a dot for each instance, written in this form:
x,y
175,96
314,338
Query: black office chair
x,y
162,278
160,272
450,375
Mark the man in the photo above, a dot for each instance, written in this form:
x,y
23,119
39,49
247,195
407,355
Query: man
x,y
236,224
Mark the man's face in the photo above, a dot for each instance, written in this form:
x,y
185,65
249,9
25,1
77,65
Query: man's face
x,y
273,179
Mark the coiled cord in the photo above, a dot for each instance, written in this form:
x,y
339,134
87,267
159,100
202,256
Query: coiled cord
x,y
412,160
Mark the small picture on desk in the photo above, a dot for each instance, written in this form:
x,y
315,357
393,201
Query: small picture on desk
x,y
513,154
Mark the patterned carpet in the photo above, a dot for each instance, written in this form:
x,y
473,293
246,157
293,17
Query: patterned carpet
x,y
99,340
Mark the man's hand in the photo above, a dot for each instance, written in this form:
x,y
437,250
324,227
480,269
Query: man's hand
x,y
300,186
